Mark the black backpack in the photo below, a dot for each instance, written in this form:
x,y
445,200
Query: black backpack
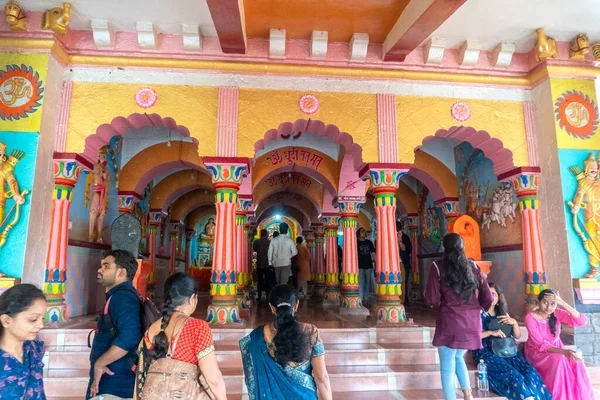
x,y
148,315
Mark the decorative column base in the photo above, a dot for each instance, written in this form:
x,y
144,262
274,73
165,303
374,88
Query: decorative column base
x,y
320,285
535,282
333,297
389,310
351,301
224,308
56,310
243,291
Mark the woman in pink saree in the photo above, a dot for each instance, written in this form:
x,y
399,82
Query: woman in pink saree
x,y
562,370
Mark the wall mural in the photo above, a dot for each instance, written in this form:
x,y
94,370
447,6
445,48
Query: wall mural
x,y
581,190
432,223
17,169
491,203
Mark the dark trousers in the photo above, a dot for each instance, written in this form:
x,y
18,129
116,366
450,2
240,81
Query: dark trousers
x,y
264,281
294,278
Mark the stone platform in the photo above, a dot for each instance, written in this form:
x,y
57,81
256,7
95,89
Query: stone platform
x,y
364,361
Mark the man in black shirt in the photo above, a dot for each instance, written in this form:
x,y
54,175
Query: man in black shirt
x,y
405,247
366,255
261,247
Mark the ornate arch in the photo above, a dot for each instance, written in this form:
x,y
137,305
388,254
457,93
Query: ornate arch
x,y
318,127
296,183
156,160
196,215
493,148
189,202
120,125
289,211
176,185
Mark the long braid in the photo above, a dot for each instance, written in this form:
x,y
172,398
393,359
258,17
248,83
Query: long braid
x,y
552,324
161,341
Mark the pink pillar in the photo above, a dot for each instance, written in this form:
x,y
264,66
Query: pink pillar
x,y
332,280
319,260
384,183
155,217
227,174
126,201
449,207
351,301
189,236
243,273
66,175
174,235
413,226
525,184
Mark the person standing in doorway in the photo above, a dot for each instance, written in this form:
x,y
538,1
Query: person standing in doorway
x,y
281,251
405,247
113,354
261,247
366,255
459,287
303,261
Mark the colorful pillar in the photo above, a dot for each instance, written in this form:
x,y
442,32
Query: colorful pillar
x,y
351,301
449,207
413,226
309,236
66,175
126,201
384,183
319,264
176,227
525,184
332,280
189,236
243,273
227,174
154,217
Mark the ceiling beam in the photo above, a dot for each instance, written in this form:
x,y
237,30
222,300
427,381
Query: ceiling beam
x,y
418,21
228,17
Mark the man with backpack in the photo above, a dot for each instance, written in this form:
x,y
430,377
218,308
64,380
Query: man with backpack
x,y
113,356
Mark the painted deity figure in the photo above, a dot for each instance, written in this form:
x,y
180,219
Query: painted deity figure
x,y
587,198
209,228
9,187
98,179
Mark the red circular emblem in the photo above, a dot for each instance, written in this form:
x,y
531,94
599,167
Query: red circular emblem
x,y
577,114
20,92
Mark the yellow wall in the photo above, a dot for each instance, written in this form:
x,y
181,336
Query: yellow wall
x,y
418,117
39,63
564,140
261,110
94,104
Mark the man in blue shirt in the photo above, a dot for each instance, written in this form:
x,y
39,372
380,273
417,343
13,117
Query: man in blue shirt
x,y
119,328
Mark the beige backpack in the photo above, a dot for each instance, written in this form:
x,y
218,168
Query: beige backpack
x,y
169,379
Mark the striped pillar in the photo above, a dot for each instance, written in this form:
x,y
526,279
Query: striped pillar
x,y
386,128
384,183
332,280
351,301
227,121
189,236
154,217
319,260
310,244
126,201
227,175
525,182
66,175
243,273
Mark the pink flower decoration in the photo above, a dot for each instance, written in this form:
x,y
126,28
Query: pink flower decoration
x,y
461,111
309,104
146,98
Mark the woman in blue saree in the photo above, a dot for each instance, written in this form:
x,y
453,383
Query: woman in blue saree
x,y
285,359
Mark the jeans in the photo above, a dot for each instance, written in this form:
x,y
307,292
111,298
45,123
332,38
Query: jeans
x,y
282,274
264,281
365,276
452,363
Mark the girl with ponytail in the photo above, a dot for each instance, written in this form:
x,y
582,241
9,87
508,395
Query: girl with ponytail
x,y
460,289
22,313
562,370
178,337
285,359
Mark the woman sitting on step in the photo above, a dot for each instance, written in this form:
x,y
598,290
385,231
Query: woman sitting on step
x,y
563,370
459,287
22,312
178,351
285,359
510,374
